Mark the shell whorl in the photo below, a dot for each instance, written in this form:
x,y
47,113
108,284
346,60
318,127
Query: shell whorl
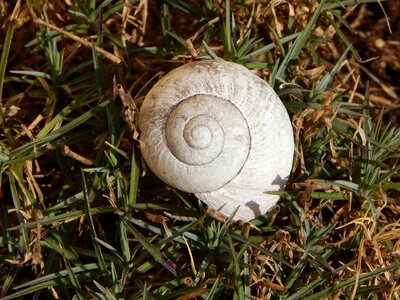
x,y
215,129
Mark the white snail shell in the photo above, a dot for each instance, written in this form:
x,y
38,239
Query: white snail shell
x,y
215,129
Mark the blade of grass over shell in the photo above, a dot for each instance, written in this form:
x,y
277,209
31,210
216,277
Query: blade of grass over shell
x,y
227,32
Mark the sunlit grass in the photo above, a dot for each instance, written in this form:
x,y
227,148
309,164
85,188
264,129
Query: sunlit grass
x,y
83,217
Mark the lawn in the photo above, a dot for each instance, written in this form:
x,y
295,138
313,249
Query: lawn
x,y
83,217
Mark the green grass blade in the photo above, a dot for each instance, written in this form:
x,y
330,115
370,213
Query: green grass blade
x,y
54,279
134,180
300,42
210,51
3,65
18,201
65,217
271,46
327,79
227,32
56,134
347,283
238,283
262,249
92,230
74,281
62,114
186,7
154,251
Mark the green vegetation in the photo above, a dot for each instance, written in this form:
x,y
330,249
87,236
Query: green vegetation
x,y
82,217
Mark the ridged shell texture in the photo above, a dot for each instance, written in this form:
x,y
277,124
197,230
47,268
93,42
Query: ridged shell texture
x,y
215,129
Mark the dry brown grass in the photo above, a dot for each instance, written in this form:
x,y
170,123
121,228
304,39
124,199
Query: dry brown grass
x,y
333,141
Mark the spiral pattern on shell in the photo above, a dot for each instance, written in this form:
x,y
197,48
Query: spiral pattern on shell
x,y
215,129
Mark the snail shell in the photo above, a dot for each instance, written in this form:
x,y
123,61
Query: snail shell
x,y
215,129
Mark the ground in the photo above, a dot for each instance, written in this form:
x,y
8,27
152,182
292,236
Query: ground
x,y
83,216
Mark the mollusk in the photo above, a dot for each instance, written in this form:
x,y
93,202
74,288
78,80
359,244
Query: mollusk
x,y
215,129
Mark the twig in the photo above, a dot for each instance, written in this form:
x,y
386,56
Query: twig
x,y
81,41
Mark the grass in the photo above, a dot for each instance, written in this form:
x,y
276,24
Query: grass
x,y
83,217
